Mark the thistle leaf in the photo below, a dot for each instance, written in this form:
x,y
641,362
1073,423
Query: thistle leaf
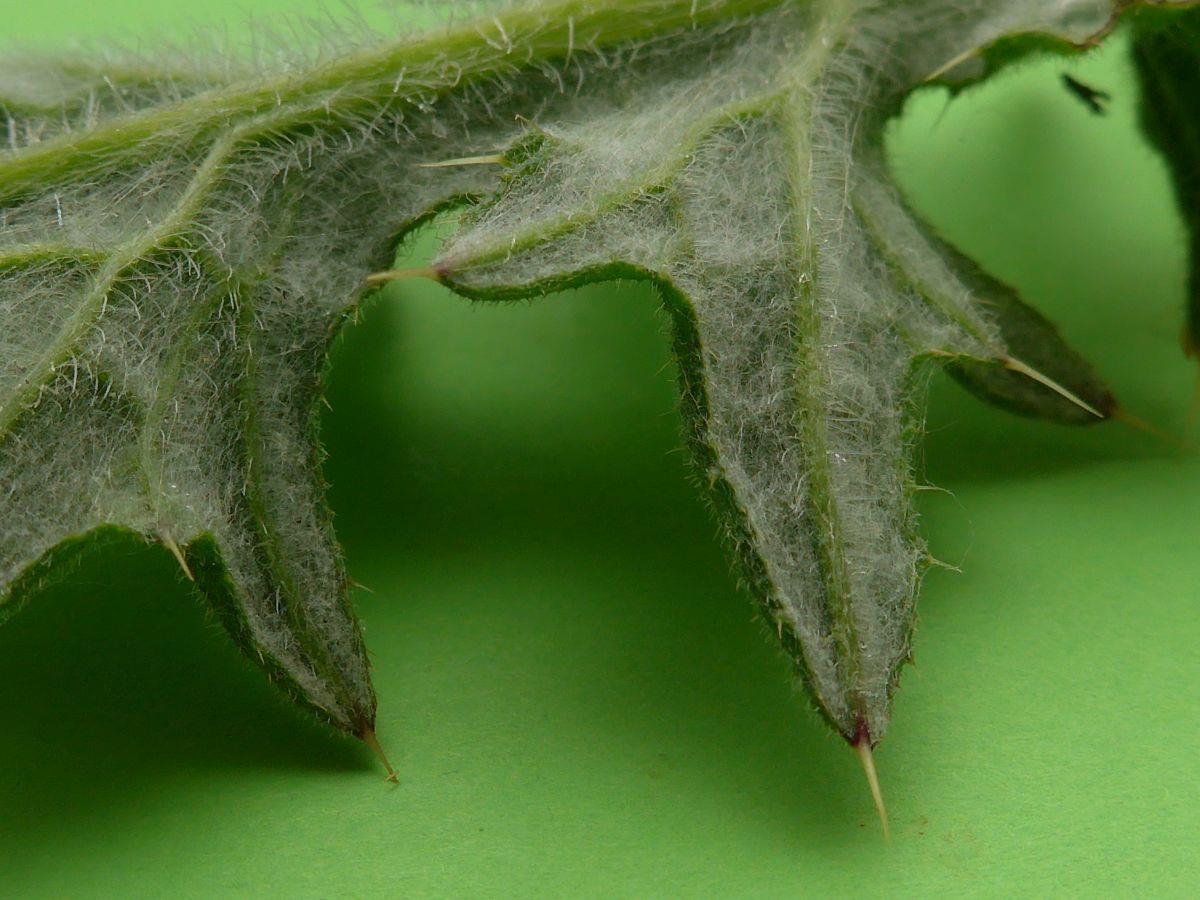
x,y
1166,51
803,295
177,251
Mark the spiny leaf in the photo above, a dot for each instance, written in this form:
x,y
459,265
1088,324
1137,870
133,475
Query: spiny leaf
x,y
752,193
171,279
176,256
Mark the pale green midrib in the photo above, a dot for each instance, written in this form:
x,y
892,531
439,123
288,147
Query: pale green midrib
x,y
810,421
150,462
65,111
655,180
793,115
540,32
92,306
49,252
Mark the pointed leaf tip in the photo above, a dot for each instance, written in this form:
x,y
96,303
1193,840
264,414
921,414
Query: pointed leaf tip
x,y
369,738
866,757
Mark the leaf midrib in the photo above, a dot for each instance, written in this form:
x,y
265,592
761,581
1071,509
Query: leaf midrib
x,y
542,32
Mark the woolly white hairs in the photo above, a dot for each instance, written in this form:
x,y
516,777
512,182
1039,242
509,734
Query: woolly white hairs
x,y
176,252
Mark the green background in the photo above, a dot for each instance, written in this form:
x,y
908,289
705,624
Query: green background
x,y
578,699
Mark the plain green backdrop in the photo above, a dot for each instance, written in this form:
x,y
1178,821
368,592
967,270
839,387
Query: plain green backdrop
x,y
578,699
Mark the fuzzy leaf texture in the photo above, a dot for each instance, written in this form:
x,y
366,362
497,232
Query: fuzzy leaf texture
x,y
177,251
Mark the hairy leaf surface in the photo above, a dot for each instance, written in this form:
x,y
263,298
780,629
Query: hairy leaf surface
x,y
177,251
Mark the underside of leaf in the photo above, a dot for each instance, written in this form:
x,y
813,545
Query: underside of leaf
x,y
177,253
